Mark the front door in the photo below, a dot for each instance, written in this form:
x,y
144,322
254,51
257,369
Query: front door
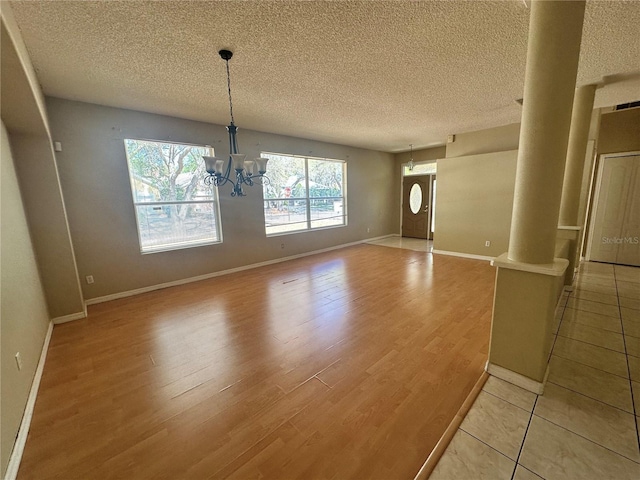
x,y
415,206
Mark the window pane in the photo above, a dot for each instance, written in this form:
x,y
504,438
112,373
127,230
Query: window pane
x,y
415,198
167,172
433,208
285,215
421,169
325,178
173,206
286,175
304,193
173,225
326,212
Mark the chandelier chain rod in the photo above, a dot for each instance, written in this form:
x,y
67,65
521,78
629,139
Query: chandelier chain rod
x,y
229,90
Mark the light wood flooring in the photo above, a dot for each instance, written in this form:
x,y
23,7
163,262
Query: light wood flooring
x,y
348,364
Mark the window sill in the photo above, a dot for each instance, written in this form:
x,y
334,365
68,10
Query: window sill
x,y
180,246
305,230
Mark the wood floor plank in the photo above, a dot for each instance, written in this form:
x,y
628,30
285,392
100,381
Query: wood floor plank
x,y
347,364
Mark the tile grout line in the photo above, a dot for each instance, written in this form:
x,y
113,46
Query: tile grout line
x,y
591,345
624,341
572,297
578,322
484,443
595,345
553,345
588,439
505,400
587,396
591,311
524,438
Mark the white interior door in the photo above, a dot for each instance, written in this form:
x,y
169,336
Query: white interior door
x,y
615,237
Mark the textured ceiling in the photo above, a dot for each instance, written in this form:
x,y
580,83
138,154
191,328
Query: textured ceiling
x,y
374,74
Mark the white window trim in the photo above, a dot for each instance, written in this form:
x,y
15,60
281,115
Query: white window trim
x,y
167,247
308,199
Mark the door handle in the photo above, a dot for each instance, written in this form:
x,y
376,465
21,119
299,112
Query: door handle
x,y
426,208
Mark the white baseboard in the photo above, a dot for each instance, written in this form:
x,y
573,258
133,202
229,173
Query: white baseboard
x,y
517,379
21,439
464,255
138,291
71,317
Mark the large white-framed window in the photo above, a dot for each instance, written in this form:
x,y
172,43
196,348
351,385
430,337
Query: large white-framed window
x,y
304,193
174,208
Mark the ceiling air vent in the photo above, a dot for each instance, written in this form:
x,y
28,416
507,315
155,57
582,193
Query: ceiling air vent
x,y
624,106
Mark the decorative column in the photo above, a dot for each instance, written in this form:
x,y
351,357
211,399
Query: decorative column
x,y
555,32
577,149
569,226
530,277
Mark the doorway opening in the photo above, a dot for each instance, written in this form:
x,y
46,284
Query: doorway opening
x,y
418,201
614,233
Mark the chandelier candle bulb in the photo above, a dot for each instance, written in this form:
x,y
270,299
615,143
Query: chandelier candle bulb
x,y
210,164
262,165
219,166
238,161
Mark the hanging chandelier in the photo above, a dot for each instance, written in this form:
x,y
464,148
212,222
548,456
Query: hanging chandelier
x,y
411,164
219,174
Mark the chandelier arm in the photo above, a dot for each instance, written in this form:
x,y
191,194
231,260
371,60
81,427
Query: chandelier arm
x,y
247,180
260,179
227,172
210,180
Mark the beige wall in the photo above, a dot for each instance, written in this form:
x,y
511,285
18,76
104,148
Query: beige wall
x,y
95,183
23,317
474,203
25,118
619,131
498,139
44,204
25,106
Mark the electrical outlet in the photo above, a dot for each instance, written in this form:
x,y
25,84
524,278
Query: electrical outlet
x,y
368,229
89,279
282,245
19,361
487,243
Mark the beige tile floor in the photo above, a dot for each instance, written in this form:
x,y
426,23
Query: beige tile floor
x,y
585,426
405,242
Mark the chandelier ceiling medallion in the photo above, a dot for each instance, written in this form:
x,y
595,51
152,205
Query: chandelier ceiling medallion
x,y
217,173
